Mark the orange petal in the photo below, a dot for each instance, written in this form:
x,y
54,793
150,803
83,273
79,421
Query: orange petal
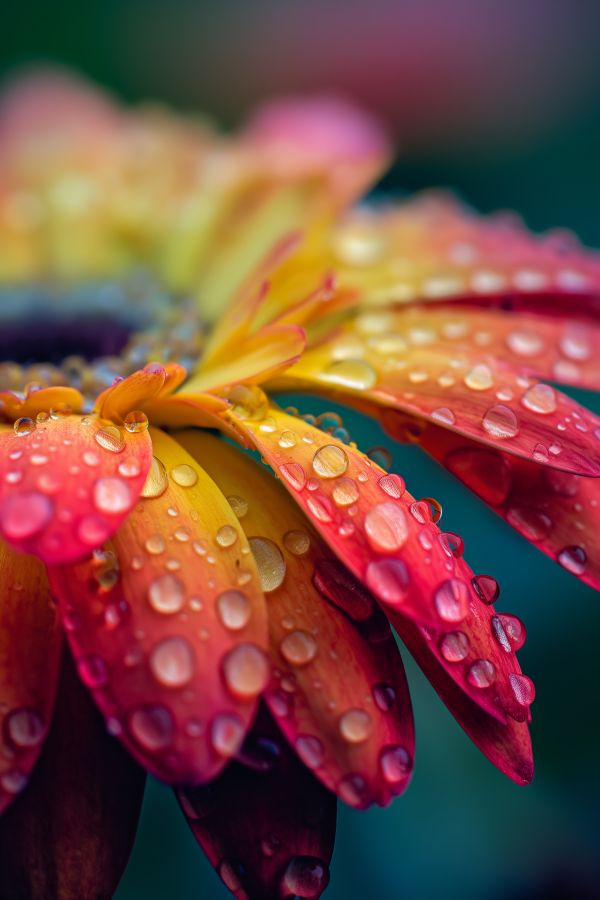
x,y
30,640
506,744
176,684
67,483
131,393
13,406
356,732
268,826
434,249
70,833
556,511
468,391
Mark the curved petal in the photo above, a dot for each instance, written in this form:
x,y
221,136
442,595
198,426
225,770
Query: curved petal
x,y
13,406
67,483
556,511
356,733
30,641
468,391
385,537
174,682
433,248
132,393
70,833
506,744
267,827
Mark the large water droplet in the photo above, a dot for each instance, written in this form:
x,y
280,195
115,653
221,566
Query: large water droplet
x,y
156,481
111,495
269,562
355,726
452,600
166,594
388,579
330,461
24,515
24,426
184,475
355,374
395,764
479,378
246,671
305,876
234,609
298,648
386,526
454,646
541,398
482,673
110,438
136,421
501,422
172,662
486,588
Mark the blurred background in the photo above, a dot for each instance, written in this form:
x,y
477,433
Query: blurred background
x,y
501,102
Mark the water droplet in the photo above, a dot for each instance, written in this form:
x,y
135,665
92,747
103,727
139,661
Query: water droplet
x,y
229,875
351,373
246,671
156,482
486,588
320,507
24,426
155,544
22,516
480,378
297,542
523,688
330,461
110,438
532,523
482,673
226,536
395,764
269,562
248,402
298,648
172,662
392,485
356,726
152,727
541,398
93,530
454,646
524,343
184,475
135,421
386,526
129,468
443,415
513,630
13,781
24,728
111,495
234,609
294,474
501,422
166,594
573,559
352,789
239,505
287,439
305,876
384,696
345,492
388,579
227,733
452,600
310,750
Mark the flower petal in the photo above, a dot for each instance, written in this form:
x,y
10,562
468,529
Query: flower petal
x,y
267,827
30,640
506,744
132,393
355,733
67,483
386,538
175,683
70,833
468,391
556,511
432,248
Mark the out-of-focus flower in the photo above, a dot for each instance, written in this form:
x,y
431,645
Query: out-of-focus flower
x,y
233,627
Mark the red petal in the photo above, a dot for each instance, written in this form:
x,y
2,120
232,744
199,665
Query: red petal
x,y
268,828
70,833
67,484
557,511
177,686
355,732
468,391
30,640
506,744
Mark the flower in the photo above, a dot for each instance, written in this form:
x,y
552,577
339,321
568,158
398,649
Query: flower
x,y
234,628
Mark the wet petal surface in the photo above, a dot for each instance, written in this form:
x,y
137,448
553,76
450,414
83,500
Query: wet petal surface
x,y
268,826
355,732
174,683
67,482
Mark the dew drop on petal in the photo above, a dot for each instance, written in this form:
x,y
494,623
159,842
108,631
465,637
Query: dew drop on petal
x,y
269,562
246,671
112,496
297,542
298,648
386,526
395,764
226,536
24,515
172,662
294,474
384,696
573,559
481,673
523,688
355,726
541,398
351,373
486,588
479,378
24,728
388,579
451,600
304,877
152,727
392,485
155,544
93,671
110,438
184,475
330,461
443,415
454,646
234,609
166,594
310,750
24,426
501,422
238,504
156,482
227,733
345,492
135,421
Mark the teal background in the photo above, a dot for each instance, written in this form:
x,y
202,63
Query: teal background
x,y
507,112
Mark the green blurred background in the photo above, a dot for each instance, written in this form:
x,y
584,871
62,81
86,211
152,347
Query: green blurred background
x,y
501,102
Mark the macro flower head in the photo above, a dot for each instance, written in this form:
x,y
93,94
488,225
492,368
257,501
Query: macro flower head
x,y
226,574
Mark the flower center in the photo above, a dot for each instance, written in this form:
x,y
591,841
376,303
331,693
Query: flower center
x,y
87,334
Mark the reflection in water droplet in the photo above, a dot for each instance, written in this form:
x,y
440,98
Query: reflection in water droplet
x,y
269,562
355,726
501,422
246,671
330,461
184,475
